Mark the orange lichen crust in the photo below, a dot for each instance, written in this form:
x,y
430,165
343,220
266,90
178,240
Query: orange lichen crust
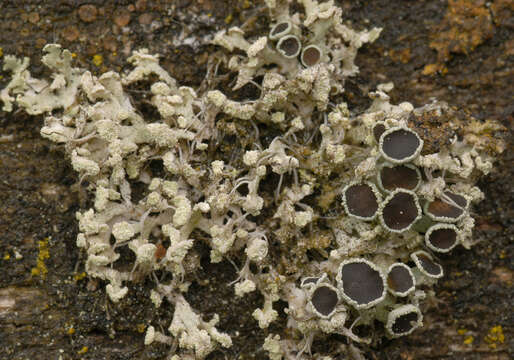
x,y
466,25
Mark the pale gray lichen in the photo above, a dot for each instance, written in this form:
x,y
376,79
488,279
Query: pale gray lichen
x,y
268,199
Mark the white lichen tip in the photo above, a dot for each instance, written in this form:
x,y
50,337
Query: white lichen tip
x,y
251,157
272,346
150,335
195,334
123,231
244,287
266,315
404,320
257,249
115,292
257,47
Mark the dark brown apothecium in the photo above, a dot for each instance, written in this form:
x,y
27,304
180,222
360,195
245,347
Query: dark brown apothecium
x,y
404,320
361,283
426,265
378,129
449,209
399,145
361,200
391,177
289,46
311,55
442,237
324,300
399,211
400,280
280,29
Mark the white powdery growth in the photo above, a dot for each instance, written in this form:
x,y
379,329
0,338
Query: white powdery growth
x,y
195,334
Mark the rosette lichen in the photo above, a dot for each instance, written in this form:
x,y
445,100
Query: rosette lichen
x,y
366,192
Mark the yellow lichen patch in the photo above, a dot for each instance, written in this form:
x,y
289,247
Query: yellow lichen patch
x,y
44,254
83,350
468,340
1,52
7,256
141,328
431,69
400,56
229,19
71,331
98,60
79,276
495,337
